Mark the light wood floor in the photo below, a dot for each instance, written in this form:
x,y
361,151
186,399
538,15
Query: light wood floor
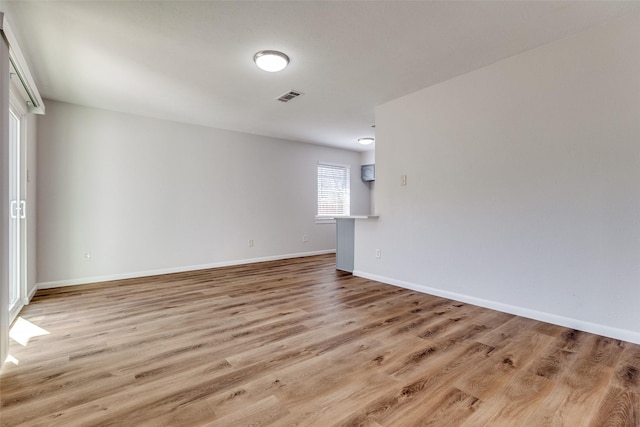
x,y
296,343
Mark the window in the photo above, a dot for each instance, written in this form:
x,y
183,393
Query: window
x,y
334,190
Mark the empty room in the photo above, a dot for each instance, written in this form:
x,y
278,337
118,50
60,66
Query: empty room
x,y
320,213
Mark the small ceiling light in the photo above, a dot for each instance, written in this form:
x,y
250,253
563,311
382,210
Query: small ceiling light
x,y
271,60
366,141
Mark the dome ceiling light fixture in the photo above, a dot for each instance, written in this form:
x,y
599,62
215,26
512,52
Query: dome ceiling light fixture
x,y
271,60
366,141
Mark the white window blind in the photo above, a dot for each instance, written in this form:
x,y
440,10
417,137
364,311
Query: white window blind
x,y
334,190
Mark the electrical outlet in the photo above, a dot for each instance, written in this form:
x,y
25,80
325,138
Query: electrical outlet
x,y
305,238
378,253
403,180
250,243
87,256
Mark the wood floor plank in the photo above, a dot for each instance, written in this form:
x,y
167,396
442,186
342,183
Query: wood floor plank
x,y
409,399
261,413
297,343
490,377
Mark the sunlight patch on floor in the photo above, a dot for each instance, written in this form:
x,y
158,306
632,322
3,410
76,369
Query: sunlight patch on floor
x,y
11,359
23,330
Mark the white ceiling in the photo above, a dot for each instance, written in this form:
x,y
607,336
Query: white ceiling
x,y
192,61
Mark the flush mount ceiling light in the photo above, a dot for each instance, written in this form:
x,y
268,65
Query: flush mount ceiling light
x,y
366,141
271,60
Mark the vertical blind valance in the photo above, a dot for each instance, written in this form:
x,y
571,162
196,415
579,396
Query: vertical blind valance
x,y
334,190
20,73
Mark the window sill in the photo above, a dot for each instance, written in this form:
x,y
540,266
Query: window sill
x,y
322,220
332,219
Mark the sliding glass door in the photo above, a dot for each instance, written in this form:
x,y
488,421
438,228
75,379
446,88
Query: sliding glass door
x,y
17,217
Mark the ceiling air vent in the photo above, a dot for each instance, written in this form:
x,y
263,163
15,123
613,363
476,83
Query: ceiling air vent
x,y
286,97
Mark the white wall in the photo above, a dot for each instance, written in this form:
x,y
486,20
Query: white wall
x,y
368,158
523,185
144,195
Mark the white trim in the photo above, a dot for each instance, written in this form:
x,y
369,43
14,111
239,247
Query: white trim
x,y
594,328
16,101
337,165
15,310
32,293
133,275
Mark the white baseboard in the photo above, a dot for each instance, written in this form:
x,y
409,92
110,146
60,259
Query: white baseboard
x,y
108,278
594,328
32,293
